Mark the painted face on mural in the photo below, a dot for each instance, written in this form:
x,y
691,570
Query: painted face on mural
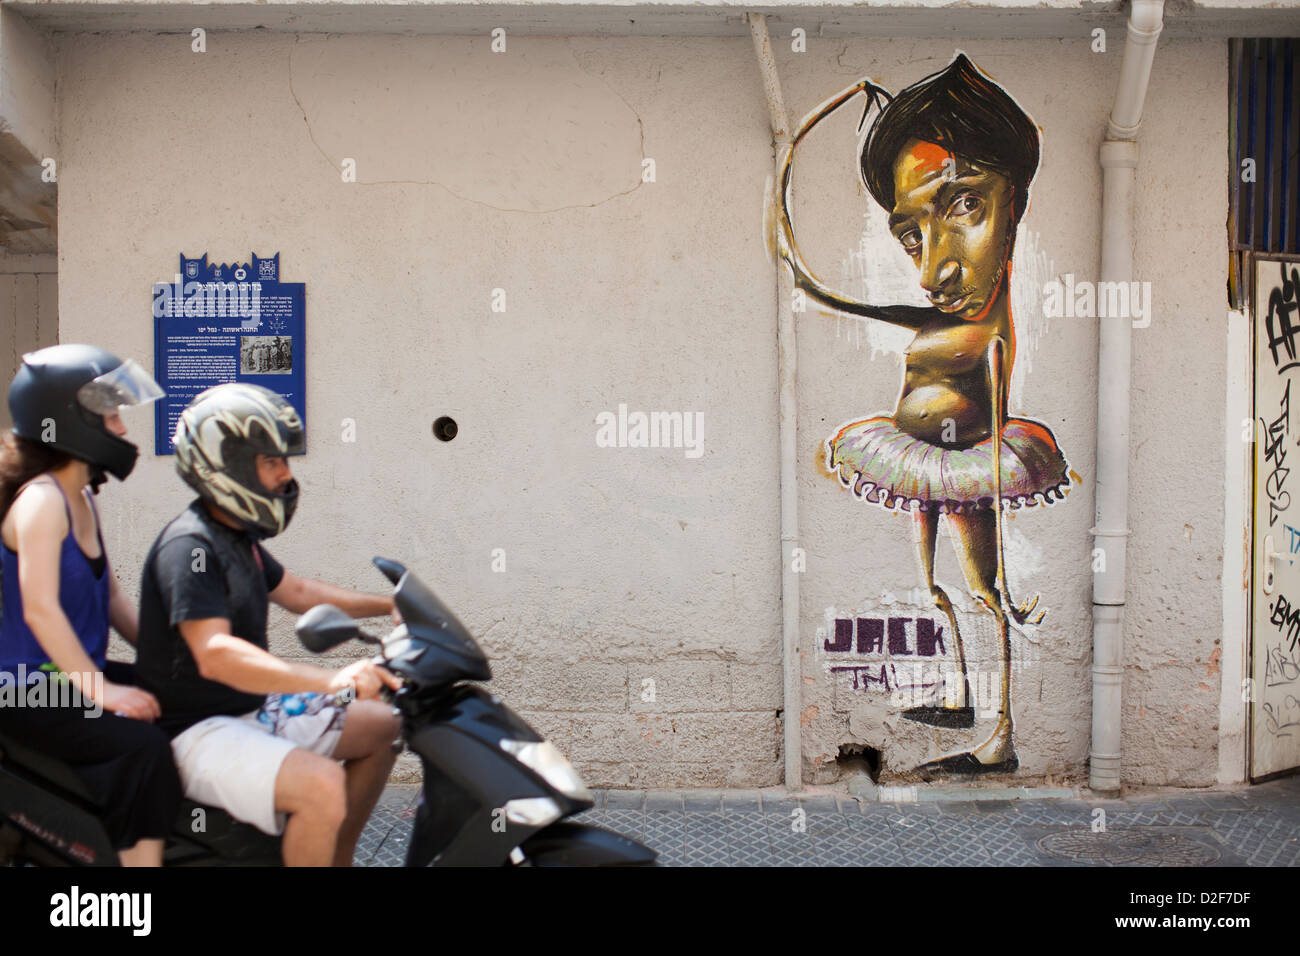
x,y
955,220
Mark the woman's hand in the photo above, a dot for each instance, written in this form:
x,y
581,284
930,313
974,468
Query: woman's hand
x,y
129,702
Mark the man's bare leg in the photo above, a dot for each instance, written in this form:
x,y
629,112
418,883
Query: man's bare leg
x,y
312,790
367,752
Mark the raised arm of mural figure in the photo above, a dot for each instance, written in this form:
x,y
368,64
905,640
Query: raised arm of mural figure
x,y
907,316
997,383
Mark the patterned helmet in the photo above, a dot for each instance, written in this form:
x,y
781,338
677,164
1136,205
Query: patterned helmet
x,y
217,441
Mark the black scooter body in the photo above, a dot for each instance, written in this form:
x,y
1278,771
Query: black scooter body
x,y
482,804
46,817
469,780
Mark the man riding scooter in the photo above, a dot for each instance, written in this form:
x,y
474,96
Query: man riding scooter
x,y
256,735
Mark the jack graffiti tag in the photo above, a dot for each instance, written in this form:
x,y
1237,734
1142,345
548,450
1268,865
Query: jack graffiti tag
x,y
1282,304
882,640
1281,668
1284,615
1284,717
1275,452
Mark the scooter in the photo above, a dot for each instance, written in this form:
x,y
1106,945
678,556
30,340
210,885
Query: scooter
x,y
495,793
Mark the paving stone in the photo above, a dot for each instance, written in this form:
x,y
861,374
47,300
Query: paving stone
x,y
995,806
1226,801
820,802
593,817
907,819
884,851
751,853
625,800
918,809
1191,803
1151,801
1007,846
958,808
773,803
627,822
927,853
702,801
746,836
1263,843
666,833
660,800
741,800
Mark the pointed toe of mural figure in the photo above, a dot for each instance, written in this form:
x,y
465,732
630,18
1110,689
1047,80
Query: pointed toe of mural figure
x,y
1024,613
954,717
937,714
967,764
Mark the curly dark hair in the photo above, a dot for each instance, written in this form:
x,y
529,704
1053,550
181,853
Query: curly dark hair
x,y
21,460
962,110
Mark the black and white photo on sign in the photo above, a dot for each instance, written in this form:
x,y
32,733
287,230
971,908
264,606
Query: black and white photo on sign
x,y
266,354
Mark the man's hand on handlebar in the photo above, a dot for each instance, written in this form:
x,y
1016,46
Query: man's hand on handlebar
x,y
365,678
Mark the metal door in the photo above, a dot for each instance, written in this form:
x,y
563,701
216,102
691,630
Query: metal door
x,y
1274,686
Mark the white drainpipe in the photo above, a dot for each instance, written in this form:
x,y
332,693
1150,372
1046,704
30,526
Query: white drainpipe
x,y
785,352
1119,156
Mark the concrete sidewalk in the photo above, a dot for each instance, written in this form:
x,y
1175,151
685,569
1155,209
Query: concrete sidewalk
x,y
1252,826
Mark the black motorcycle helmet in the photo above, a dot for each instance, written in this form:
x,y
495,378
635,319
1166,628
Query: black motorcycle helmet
x,y
217,441
62,393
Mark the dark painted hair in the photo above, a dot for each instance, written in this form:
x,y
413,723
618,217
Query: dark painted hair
x,y
962,110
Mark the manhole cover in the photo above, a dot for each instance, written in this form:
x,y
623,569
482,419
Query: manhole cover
x,y
1141,846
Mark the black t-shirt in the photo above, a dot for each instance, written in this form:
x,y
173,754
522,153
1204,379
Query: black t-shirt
x,y
199,568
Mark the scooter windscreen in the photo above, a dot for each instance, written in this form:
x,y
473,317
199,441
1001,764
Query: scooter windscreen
x,y
430,626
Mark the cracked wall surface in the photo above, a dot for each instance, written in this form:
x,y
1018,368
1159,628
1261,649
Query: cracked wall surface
x,y
475,172
523,172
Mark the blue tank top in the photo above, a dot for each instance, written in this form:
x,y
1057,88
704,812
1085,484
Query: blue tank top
x,y
83,595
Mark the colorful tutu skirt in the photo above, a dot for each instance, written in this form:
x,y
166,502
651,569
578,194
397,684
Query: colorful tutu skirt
x,y
881,463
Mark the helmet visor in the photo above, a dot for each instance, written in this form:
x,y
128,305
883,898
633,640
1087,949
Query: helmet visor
x,y
128,384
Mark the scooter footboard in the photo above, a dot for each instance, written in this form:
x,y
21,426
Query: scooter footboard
x,y
578,844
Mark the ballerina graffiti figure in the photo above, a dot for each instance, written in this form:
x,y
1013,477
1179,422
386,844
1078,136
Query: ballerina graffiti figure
x,y
950,159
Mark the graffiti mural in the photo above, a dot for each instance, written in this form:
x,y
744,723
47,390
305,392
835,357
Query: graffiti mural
x,y
950,159
902,654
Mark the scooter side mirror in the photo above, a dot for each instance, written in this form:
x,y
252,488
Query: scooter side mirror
x,y
325,626
390,569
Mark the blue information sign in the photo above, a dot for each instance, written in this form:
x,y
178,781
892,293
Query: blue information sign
x,y
227,323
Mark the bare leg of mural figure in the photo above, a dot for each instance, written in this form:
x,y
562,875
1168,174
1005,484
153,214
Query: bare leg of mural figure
x,y
997,379
946,712
975,538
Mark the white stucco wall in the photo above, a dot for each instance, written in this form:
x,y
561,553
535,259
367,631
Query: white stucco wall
x,y
522,172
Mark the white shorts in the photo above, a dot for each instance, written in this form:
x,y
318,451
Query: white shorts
x,y
232,762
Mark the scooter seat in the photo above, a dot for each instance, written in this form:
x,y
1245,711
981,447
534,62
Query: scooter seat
x,y
212,836
50,769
